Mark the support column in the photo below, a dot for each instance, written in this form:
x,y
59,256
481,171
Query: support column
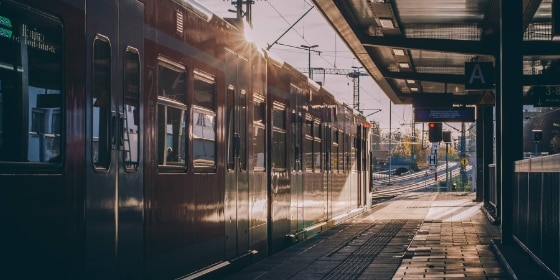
x,y
509,108
484,151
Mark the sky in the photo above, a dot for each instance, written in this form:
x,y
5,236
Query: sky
x,y
272,21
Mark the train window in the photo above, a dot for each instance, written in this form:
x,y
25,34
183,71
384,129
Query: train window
x,y
131,122
347,145
353,163
259,134
31,86
297,141
328,143
317,146
204,121
171,116
278,149
231,137
101,103
297,134
236,124
334,149
308,145
343,152
243,130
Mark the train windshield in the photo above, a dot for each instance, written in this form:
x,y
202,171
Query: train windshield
x,y
30,85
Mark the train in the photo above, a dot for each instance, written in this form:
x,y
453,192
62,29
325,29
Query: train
x,y
149,139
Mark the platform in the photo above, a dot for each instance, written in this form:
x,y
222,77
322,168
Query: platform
x,y
416,235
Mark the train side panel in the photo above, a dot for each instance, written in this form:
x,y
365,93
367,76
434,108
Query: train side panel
x,y
149,140
185,164
41,158
114,194
278,134
258,158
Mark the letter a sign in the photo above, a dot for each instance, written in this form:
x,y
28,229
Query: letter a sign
x,y
479,75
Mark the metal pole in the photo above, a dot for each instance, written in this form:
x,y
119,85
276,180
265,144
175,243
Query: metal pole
x,y
447,165
390,132
291,26
310,72
463,155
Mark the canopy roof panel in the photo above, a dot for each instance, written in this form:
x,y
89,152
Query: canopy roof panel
x,y
419,48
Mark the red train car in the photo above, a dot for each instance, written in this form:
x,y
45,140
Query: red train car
x,y
150,140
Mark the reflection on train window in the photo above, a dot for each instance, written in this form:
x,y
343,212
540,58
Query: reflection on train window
x,y
243,130
297,134
327,155
297,141
317,146
204,122
278,138
31,85
340,150
353,162
258,157
231,137
171,116
101,120
347,139
308,145
131,121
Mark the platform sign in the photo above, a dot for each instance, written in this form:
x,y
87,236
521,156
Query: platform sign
x,y
432,160
444,114
546,96
479,75
435,146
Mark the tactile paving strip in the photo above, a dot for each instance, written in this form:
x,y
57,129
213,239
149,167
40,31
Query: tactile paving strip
x,y
368,245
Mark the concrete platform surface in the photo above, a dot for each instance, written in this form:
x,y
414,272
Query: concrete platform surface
x,y
417,235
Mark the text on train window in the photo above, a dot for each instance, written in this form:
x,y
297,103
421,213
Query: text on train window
x,y
31,86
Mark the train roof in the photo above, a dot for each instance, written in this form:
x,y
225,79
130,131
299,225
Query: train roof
x,y
197,8
201,10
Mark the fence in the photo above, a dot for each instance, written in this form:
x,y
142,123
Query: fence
x,y
536,217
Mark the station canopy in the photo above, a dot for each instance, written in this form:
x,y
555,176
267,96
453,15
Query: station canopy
x,y
417,50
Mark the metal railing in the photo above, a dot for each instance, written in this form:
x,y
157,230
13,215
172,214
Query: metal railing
x,y
492,191
536,206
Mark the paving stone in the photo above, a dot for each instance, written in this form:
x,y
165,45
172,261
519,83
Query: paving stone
x,y
417,236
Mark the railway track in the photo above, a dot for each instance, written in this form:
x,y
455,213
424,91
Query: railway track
x,y
389,192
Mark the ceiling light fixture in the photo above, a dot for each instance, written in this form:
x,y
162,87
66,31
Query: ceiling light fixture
x,y
386,23
399,52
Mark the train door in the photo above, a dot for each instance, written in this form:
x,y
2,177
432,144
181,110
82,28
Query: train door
x,y
237,190
360,158
114,185
299,123
353,166
364,152
328,183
